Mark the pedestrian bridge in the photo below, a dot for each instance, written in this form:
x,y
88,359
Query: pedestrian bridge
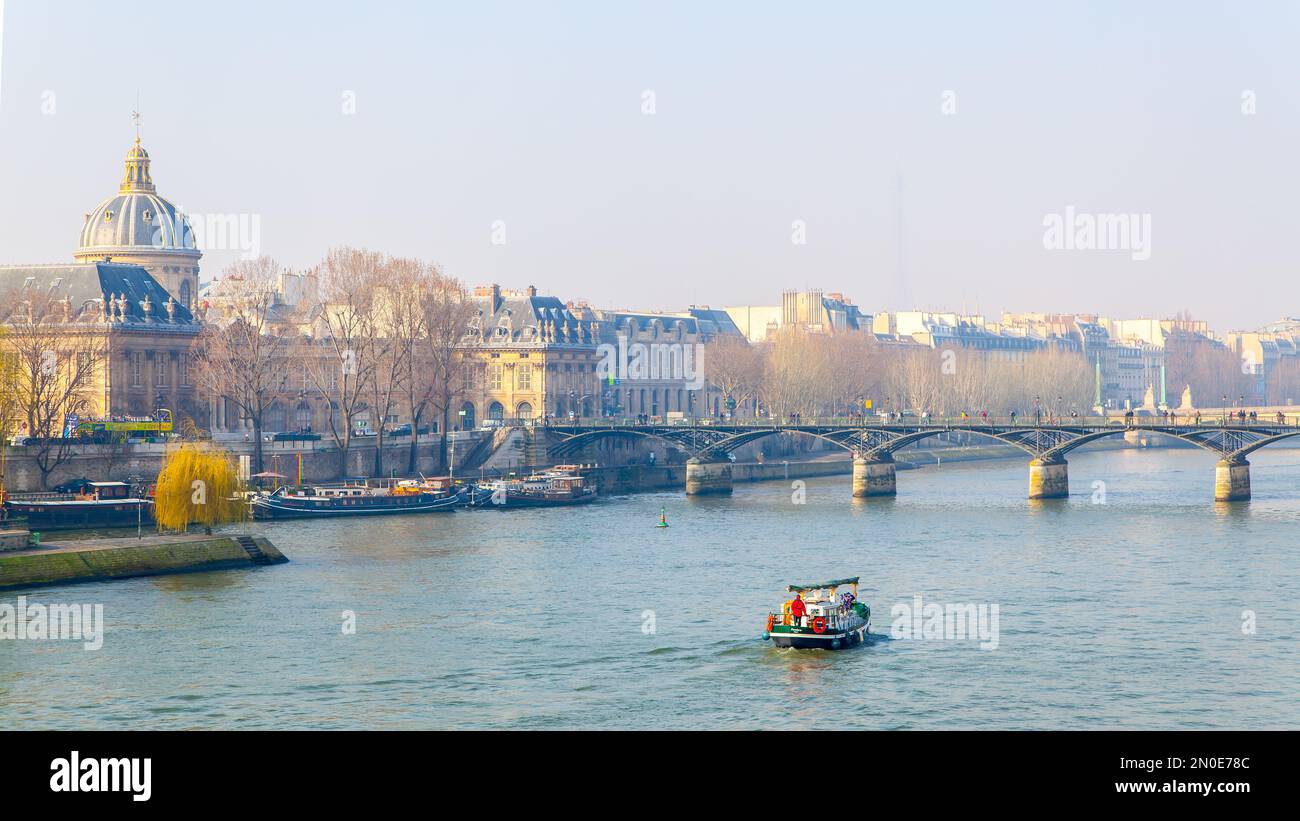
x,y
708,468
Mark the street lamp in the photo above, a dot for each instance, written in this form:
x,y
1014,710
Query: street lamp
x,y
451,461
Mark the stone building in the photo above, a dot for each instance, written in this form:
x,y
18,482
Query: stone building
x,y
147,335
134,284
527,356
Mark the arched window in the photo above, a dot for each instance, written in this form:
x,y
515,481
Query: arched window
x,y
302,415
525,411
495,411
185,292
274,421
467,421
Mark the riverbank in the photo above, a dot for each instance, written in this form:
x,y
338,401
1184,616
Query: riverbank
x,y
86,560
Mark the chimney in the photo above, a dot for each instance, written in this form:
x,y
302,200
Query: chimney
x,y
532,292
496,297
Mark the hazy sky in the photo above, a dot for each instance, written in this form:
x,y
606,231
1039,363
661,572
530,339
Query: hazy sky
x,y
531,114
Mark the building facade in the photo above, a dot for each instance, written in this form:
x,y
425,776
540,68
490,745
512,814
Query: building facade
x,y
143,336
132,289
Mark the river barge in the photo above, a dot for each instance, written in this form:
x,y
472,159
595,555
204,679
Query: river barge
x,y
559,486
353,500
91,505
819,617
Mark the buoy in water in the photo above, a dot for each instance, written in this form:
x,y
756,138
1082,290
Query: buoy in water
x,y
663,518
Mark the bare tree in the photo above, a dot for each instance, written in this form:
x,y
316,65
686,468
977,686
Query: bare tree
x,y
735,368
55,367
394,328
339,355
10,406
242,351
406,321
446,308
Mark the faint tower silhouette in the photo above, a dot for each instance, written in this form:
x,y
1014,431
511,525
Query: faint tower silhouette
x,y
900,239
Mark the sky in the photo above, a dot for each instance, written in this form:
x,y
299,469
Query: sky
x,y
659,155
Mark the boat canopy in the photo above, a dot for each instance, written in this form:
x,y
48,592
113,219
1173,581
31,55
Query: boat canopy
x,y
801,588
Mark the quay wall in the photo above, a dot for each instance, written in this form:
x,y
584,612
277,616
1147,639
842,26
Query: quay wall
x,y
121,558
320,460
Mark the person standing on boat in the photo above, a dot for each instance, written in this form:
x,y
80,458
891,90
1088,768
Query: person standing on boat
x,y
798,610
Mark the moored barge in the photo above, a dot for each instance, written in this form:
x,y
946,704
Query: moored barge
x,y
353,500
93,504
556,487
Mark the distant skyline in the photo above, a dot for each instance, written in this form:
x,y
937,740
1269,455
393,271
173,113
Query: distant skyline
x,y
653,156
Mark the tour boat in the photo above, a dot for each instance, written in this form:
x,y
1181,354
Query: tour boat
x,y
352,500
830,621
93,504
561,485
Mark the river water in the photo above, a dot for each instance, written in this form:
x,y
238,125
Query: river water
x,y
1122,607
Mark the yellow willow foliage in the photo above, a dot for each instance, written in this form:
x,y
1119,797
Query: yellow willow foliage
x,y
198,484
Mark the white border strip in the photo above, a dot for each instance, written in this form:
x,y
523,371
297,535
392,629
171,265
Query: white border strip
x,y
2,46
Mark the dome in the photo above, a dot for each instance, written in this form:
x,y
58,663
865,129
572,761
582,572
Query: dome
x,y
136,218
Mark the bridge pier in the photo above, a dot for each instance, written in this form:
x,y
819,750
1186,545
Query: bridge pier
x,y
1232,480
1049,478
706,477
874,476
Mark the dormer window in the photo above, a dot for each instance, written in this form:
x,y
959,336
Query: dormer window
x,y
148,215
108,216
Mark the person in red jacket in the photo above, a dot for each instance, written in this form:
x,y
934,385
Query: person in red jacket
x,y
797,609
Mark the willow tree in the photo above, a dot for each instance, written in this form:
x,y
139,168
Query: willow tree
x,y
198,485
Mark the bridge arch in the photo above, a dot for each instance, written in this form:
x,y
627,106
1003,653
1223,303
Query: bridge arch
x,y
1268,440
576,442
1198,437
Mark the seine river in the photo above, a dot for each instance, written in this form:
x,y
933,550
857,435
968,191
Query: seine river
x,y
1122,614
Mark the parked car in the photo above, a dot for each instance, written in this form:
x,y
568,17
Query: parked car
x,y
71,486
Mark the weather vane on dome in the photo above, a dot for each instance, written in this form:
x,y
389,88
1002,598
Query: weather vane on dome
x,y
135,116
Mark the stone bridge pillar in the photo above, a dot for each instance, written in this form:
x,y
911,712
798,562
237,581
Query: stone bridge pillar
x,y
1049,478
1232,480
707,476
874,476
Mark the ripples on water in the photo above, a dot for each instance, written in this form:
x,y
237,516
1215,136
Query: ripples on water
x,y
1124,615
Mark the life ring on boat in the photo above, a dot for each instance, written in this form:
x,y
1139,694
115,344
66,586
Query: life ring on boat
x,y
771,621
819,625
